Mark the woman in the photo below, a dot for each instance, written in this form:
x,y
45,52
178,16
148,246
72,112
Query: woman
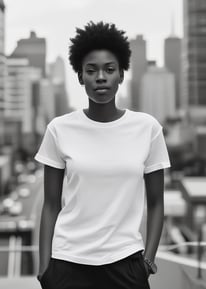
x,y
89,233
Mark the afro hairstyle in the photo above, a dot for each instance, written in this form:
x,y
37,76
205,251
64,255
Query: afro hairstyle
x,y
96,37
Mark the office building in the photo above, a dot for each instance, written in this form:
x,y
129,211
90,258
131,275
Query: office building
x,y
19,104
172,61
158,93
34,49
2,55
57,70
58,80
18,99
194,56
138,68
46,106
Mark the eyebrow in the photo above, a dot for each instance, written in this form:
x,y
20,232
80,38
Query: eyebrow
x,y
107,63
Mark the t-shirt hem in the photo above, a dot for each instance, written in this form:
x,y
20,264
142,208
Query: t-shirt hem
x,y
112,259
48,162
156,167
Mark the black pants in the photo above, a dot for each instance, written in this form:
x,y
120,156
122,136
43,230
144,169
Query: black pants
x,y
127,273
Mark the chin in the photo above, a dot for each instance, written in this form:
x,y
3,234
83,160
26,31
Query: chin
x,y
101,100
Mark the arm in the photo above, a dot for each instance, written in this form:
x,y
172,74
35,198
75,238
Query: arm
x,y
53,181
154,184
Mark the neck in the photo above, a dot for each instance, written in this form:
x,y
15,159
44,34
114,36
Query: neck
x,y
102,112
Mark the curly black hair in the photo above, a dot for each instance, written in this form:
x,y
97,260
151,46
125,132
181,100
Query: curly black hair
x,y
99,36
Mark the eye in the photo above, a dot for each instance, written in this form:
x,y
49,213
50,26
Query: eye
x,y
90,71
110,69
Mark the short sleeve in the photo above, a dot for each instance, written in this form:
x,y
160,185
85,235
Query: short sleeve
x,y
49,152
158,157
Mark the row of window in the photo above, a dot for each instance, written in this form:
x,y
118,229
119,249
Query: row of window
x,y
196,4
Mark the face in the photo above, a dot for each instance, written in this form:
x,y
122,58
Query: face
x,y
101,75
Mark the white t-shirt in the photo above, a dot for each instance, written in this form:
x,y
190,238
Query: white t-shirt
x,y
103,191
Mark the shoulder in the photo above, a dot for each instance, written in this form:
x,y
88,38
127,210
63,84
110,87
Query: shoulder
x,y
147,122
144,118
61,121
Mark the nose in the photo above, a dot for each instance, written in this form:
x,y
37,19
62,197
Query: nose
x,y
101,76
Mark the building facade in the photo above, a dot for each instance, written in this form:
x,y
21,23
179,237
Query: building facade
x,y
158,93
194,56
58,79
34,49
138,68
22,97
2,56
172,61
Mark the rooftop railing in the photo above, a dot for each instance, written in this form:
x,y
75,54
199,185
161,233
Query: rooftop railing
x,y
175,271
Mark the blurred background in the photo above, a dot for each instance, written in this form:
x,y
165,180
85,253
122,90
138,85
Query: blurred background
x,y
167,79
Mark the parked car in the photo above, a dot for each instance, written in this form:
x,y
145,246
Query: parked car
x,y
23,192
16,208
7,204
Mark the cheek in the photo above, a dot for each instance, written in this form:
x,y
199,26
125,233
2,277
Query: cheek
x,y
116,80
115,84
88,87
87,83
88,90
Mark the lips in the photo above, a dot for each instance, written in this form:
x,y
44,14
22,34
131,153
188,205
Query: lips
x,y
101,88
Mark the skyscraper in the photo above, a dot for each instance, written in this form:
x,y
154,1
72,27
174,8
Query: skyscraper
x,y
18,100
194,61
58,78
2,55
172,61
158,93
33,48
138,68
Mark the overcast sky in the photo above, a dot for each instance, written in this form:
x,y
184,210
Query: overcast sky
x,y
56,20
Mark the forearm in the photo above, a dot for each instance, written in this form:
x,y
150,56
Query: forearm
x,y
48,220
155,219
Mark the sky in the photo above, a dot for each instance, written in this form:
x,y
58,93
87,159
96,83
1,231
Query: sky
x,y
57,20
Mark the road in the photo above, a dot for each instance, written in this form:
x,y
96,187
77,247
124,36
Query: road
x,y
22,230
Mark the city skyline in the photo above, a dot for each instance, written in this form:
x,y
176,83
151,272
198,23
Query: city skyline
x,y
57,23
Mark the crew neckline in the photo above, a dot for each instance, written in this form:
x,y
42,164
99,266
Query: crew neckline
x,y
104,124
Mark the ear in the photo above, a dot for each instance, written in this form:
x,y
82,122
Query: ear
x,y
80,78
121,72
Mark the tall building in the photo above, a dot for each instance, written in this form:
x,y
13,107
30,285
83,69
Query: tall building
x,y
19,107
194,54
18,99
46,106
138,68
29,70
33,48
172,61
2,55
58,79
57,70
158,93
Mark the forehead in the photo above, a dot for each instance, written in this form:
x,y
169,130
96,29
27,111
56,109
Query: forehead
x,y
99,57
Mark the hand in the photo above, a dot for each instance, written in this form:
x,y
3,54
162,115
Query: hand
x,y
39,276
147,269
42,272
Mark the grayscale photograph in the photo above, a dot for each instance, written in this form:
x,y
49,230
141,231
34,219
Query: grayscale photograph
x,y
103,144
